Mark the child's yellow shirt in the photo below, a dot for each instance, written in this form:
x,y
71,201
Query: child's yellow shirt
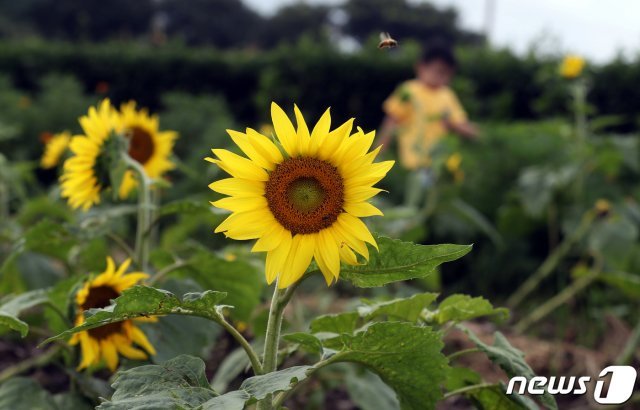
x,y
420,112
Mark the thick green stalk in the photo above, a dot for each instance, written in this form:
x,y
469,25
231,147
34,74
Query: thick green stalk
x,y
272,339
253,356
142,246
551,262
556,301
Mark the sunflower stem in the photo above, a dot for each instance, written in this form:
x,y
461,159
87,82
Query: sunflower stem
x,y
244,343
142,246
552,261
279,301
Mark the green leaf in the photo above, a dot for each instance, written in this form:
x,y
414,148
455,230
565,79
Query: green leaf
x,y
368,392
458,308
397,261
511,360
342,323
234,400
259,387
231,367
25,394
140,301
202,334
407,309
407,358
627,283
11,308
179,383
495,398
306,341
242,281
491,397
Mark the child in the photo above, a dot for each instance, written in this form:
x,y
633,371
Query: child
x,y
422,111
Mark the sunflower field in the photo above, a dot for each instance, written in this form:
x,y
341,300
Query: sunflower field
x,y
185,227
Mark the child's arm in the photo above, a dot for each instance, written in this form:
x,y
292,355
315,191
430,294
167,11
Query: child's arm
x,y
455,119
387,130
464,129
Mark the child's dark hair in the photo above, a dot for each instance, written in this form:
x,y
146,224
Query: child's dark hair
x,y
439,51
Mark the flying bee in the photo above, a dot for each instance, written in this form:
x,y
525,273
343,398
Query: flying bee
x,y
386,41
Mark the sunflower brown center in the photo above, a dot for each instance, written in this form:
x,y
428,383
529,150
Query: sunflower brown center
x,y
140,144
305,194
100,297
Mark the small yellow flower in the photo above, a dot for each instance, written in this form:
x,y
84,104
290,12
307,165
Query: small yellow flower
x,y
24,102
303,198
241,326
453,162
230,257
104,344
266,129
572,66
54,149
602,207
148,145
453,166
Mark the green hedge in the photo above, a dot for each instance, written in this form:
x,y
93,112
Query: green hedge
x,y
492,84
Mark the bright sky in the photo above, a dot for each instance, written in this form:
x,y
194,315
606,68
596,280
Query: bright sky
x,y
597,29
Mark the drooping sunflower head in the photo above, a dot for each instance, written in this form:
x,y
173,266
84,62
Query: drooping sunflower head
x,y
104,344
301,198
54,149
572,66
148,145
86,173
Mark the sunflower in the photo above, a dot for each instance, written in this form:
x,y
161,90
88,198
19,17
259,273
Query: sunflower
x,y
147,144
302,199
54,149
572,66
103,344
86,173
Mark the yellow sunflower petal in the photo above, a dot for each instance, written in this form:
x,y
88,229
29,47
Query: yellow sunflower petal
x,y
129,280
324,269
238,187
246,225
141,340
327,249
298,260
320,131
333,140
123,268
284,129
277,257
270,240
90,351
124,348
242,141
344,236
360,193
238,166
241,204
303,132
361,209
264,146
347,255
109,354
357,228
